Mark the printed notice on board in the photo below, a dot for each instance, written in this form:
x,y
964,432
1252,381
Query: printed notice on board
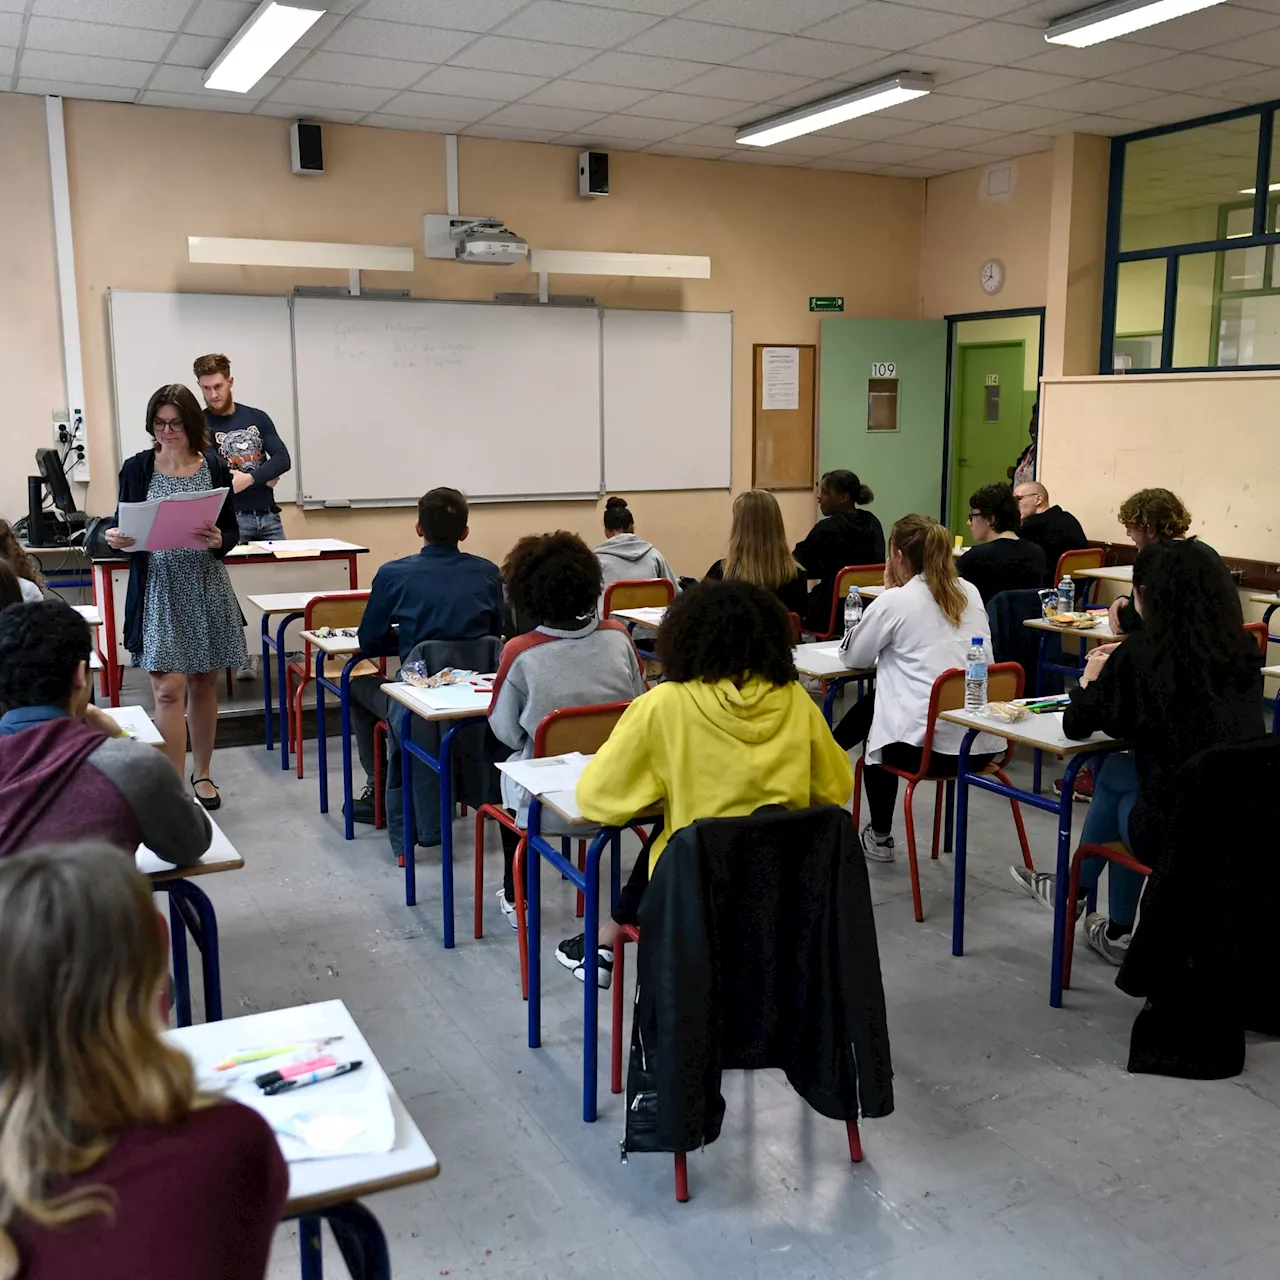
x,y
780,376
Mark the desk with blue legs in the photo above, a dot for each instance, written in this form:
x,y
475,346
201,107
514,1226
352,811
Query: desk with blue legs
x,y
316,1186
822,661
1274,672
471,704
191,911
1042,733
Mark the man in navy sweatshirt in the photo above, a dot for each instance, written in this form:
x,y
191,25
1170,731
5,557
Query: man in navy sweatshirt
x,y
66,771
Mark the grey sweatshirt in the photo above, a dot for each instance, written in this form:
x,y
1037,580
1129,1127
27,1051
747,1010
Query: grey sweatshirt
x,y
582,668
627,555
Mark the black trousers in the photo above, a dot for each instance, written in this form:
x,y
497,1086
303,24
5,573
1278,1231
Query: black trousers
x,y
881,785
368,705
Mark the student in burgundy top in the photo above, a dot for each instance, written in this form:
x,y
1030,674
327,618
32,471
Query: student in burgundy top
x,y
116,1167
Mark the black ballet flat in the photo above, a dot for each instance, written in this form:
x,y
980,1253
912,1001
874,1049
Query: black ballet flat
x,y
213,803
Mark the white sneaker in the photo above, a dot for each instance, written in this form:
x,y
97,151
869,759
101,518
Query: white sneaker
x,y
874,848
508,909
1041,885
248,672
1112,950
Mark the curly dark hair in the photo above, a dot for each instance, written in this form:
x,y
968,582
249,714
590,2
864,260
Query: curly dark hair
x,y
41,645
1157,510
552,577
726,631
997,503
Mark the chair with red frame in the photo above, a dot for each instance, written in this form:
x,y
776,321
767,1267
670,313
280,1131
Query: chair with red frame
x,y
335,611
1071,562
1113,851
583,729
1004,683
797,627
1259,630
853,575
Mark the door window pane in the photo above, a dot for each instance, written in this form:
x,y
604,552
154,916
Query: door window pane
x,y
1139,315
1249,331
1193,324
991,403
882,404
1242,269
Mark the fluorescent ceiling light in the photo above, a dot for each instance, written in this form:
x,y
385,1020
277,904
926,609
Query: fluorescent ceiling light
x,y
840,107
1118,18
268,35
1253,191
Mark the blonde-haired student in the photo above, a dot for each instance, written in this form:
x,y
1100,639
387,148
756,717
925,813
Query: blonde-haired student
x,y
920,627
759,552
112,1164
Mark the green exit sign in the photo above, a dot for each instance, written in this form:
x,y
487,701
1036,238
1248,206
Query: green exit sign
x,y
826,304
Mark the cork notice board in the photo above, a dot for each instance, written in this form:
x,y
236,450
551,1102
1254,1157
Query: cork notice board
x,y
783,440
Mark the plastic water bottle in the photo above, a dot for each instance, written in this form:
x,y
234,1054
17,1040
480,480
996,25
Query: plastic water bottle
x,y
975,676
852,610
1066,595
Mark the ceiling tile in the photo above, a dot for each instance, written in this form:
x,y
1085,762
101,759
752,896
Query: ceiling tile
x,y
810,93
803,57
744,84
342,97
149,15
8,59
710,135
583,24
526,57
191,101
943,70
439,106
585,96
1015,118
891,153
810,145
1211,28
221,18
837,164
76,68
662,8
13,6
972,8
1264,47
169,79
454,15
888,26
510,133
1041,13
318,32
330,115
745,156
1185,71
995,43
195,51
871,128
10,30
1008,84
685,106
947,135
1096,97
674,147
412,124
95,38
1102,126
909,171
74,88
396,40
1169,108
636,71
556,120
1261,86
472,83
1098,60
936,108
1018,144
785,16
639,128
702,41
352,68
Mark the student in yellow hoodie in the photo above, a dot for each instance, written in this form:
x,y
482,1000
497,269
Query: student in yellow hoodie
x,y
728,731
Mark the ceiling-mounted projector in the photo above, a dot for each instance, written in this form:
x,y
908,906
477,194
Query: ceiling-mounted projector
x,y
488,241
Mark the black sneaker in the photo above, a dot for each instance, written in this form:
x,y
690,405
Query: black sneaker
x,y
362,806
572,954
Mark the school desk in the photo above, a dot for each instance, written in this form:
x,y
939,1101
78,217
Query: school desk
x,y
1042,733
416,703
104,587
648,616
314,1185
191,910
822,661
139,725
1108,573
72,572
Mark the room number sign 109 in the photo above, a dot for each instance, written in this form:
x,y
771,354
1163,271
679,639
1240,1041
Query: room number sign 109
x,y
885,369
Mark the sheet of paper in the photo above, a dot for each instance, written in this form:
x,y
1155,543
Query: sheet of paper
x,y
780,378
164,524
288,546
550,773
651,615
455,697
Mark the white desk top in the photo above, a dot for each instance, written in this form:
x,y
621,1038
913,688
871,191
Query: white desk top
x,y
871,592
1043,731
95,662
221,855
467,701
1271,671
1101,632
651,616
137,722
294,601
89,612
822,661
1109,573
1264,597
313,1184
335,646
299,547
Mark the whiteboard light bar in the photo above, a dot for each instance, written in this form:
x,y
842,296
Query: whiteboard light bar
x,y
1118,18
299,253
835,110
264,39
574,262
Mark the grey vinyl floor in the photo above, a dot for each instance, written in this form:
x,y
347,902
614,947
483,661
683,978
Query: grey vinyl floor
x,y
1019,1148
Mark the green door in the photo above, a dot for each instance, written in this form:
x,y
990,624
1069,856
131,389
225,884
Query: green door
x,y
881,407
991,425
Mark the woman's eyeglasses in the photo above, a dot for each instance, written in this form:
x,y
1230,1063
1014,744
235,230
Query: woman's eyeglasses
x,y
166,424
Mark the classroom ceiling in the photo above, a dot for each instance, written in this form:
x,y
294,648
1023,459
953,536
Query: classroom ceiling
x,y
674,77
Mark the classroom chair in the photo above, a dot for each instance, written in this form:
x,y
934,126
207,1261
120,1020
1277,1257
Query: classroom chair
x,y
568,729
1004,684
1259,630
853,575
638,593
343,610
1115,851
1071,562
797,627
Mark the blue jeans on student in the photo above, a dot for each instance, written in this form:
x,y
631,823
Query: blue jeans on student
x,y
1115,791
260,526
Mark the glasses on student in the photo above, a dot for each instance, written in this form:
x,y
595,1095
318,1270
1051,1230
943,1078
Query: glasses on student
x,y
973,515
167,424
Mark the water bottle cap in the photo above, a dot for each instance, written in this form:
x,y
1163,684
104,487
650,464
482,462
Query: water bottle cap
x,y
976,640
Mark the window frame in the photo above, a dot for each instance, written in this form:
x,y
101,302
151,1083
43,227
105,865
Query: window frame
x,y
1263,204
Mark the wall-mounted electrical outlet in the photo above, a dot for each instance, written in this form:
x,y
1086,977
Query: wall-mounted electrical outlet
x,y
71,441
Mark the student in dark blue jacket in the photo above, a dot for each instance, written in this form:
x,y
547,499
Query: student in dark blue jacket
x,y
439,593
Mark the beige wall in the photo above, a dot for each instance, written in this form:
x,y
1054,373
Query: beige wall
x,y
962,231
142,179
30,351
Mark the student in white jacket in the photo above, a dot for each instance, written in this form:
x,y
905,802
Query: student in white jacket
x,y
623,555
920,627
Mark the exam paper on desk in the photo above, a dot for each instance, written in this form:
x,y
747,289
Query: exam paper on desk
x,y
547,773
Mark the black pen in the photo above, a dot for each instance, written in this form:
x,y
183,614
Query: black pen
x,y
312,1077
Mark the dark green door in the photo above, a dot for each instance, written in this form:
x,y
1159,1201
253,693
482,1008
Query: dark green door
x,y
991,426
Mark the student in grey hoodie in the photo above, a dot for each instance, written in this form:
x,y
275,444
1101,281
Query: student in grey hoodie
x,y
623,555
570,659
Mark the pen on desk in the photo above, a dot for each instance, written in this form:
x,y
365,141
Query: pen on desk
x,y
314,1077
274,1051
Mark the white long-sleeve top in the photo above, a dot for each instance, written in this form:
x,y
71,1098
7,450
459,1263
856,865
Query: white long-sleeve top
x,y
911,642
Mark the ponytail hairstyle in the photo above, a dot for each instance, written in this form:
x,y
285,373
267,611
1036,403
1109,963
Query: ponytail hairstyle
x,y
618,517
927,547
758,548
847,482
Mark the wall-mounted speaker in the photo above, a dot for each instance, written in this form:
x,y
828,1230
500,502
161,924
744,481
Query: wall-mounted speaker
x,y
305,148
593,173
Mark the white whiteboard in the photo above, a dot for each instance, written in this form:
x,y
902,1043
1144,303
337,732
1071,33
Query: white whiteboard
x,y
156,336
395,397
668,399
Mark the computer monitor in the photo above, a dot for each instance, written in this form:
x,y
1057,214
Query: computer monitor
x,y
64,526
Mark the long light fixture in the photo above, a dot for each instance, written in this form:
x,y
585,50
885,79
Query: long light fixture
x,y
246,252
1253,191
264,39
1118,18
835,109
590,262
